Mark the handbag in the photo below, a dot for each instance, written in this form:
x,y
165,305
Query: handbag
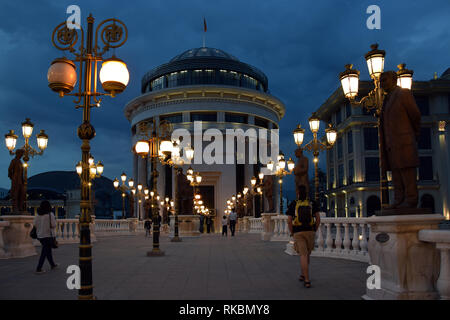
x,y
33,233
54,243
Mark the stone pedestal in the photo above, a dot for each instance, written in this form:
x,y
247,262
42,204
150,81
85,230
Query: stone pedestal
x,y
409,267
132,224
188,225
3,253
245,224
16,236
268,225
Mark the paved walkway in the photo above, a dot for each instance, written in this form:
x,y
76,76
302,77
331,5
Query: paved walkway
x,y
207,267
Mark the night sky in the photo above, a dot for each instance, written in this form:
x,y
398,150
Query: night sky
x,y
300,45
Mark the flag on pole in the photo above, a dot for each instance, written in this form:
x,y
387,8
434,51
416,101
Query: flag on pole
x,y
204,24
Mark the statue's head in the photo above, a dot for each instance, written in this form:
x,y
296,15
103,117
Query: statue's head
x,y
19,153
388,81
299,153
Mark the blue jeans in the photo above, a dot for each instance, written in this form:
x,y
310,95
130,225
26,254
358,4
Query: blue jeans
x,y
46,253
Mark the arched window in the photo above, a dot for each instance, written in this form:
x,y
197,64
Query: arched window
x,y
427,201
373,204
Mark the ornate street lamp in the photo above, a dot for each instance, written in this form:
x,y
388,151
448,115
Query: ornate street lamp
x,y
316,145
62,77
374,99
124,188
95,171
279,170
28,150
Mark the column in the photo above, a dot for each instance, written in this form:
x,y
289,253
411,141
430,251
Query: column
x,y
358,152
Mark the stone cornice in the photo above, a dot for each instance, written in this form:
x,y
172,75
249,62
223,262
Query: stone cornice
x,y
180,95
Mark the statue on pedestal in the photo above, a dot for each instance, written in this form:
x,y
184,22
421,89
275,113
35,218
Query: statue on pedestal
x,y
268,191
17,192
399,132
301,172
249,204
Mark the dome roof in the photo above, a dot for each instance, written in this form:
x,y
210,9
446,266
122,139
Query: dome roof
x,y
204,58
204,52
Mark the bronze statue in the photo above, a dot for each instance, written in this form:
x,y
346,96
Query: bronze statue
x,y
268,191
301,172
18,193
399,131
249,203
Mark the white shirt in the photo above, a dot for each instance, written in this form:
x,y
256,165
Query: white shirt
x,y
42,225
233,215
224,222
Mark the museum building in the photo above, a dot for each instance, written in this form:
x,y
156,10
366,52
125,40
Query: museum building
x,y
208,85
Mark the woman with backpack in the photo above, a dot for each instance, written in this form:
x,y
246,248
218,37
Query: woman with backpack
x,y
45,225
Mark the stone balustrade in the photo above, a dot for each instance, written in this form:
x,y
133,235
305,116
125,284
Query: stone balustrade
x,y
256,225
68,230
281,229
345,238
441,239
105,227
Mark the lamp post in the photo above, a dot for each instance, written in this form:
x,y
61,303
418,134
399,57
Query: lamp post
x,y
62,77
28,150
257,185
315,145
170,154
279,170
123,188
95,171
374,100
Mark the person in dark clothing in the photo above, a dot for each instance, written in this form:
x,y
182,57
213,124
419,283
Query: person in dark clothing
x,y
208,224
303,221
147,227
45,224
224,226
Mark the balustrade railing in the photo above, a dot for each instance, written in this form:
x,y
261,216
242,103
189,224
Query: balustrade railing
x,y
67,230
110,226
256,225
281,229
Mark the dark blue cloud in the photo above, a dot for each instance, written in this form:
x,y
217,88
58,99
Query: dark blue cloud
x,y
300,45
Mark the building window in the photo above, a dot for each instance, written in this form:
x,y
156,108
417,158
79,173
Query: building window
x,y
172,118
423,104
425,139
338,117
261,123
426,168
331,156
371,138
157,84
236,117
348,110
203,116
339,148
331,181
372,169
351,171
340,175
350,142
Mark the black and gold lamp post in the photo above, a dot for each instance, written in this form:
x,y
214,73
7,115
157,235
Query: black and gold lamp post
x,y
95,171
278,169
28,150
257,186
374,100
315,145
123,188
62,77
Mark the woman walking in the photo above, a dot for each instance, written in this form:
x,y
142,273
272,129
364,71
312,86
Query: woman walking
x,y
45,223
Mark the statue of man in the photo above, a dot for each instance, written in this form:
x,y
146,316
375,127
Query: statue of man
x,y
249,203
399,131
15,173
301,172
268,191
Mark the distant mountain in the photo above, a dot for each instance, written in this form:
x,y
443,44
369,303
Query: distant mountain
x,y
60,181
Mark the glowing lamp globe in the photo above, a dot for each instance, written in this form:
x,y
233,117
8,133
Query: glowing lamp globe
x,y
299,134
375,61
142,148
27,128
42,140
404,77
349,81
100,168
10,140
314,123
331,134
114,75
79,168
62,76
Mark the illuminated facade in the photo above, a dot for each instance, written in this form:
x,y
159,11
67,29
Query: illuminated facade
x,y
353,162
208,85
